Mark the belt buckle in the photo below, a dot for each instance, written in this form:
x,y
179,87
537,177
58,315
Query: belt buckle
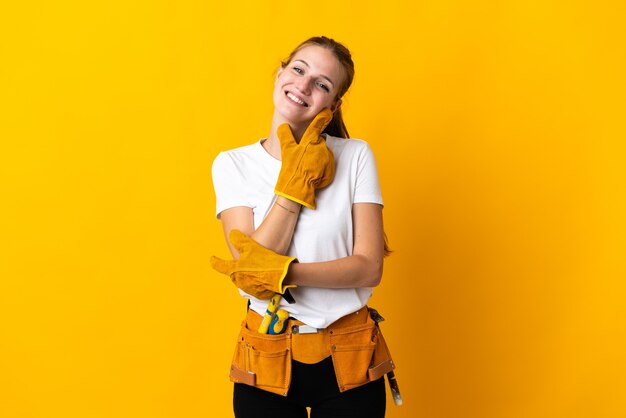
x,y
304,329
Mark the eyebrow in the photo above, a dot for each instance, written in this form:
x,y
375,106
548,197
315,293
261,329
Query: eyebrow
x,y
321,75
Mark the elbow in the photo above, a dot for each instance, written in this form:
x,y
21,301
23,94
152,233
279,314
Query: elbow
x,y
377,277
373,274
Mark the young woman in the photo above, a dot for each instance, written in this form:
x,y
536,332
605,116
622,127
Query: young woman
x,y
302,214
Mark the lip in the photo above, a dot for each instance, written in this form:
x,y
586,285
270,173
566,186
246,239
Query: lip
x,y
299,98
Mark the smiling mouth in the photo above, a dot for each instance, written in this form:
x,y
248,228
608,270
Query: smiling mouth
x,y
295,99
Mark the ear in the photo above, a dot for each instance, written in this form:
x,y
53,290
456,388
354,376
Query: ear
x,y
280,70
336,105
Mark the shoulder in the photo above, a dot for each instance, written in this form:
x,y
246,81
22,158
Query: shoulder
x,y
243,151
349,148
239,155
350,145
236,163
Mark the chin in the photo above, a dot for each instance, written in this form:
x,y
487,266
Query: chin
x,y
294,117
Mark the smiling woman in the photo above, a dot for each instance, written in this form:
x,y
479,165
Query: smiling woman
x,y
311,198
334,80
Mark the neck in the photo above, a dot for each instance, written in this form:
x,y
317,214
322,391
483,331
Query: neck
x,y
272,143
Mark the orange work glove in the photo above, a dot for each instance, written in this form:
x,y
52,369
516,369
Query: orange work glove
x,y
306,166
258,271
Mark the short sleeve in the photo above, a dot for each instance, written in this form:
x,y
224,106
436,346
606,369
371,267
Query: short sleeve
x,y
228,184
367,188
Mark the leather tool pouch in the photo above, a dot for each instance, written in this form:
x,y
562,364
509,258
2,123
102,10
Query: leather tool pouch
x,y
360,354
358,349
262,360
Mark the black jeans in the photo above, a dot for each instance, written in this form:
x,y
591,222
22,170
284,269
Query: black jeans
x,y
315,386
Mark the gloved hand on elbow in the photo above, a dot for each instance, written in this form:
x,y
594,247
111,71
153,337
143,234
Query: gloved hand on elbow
x,y
306,166
259,271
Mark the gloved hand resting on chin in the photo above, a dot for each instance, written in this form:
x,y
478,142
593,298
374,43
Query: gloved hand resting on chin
x,y
306,166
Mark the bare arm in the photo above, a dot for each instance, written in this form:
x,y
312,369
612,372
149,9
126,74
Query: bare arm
x,y
363,268
276,230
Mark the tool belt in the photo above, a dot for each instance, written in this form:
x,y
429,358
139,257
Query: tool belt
x,y
355,342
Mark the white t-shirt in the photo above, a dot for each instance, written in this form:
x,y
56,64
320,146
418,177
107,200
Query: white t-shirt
x,y
246,176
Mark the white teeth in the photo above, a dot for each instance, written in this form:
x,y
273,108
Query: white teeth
x,y
295,99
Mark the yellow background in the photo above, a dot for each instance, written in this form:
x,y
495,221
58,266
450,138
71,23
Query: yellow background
x,y
499,133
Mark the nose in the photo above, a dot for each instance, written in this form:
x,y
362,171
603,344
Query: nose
x,y
304,85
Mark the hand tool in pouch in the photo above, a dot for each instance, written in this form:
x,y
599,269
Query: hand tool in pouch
x,y
279,322
272,307
391,376
395,390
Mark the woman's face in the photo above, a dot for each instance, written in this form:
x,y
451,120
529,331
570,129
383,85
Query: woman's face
x,y
308,84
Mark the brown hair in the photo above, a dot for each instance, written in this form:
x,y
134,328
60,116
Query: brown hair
x,y
336,127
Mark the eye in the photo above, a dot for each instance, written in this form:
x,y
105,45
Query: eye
x,y
298,70
323,87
